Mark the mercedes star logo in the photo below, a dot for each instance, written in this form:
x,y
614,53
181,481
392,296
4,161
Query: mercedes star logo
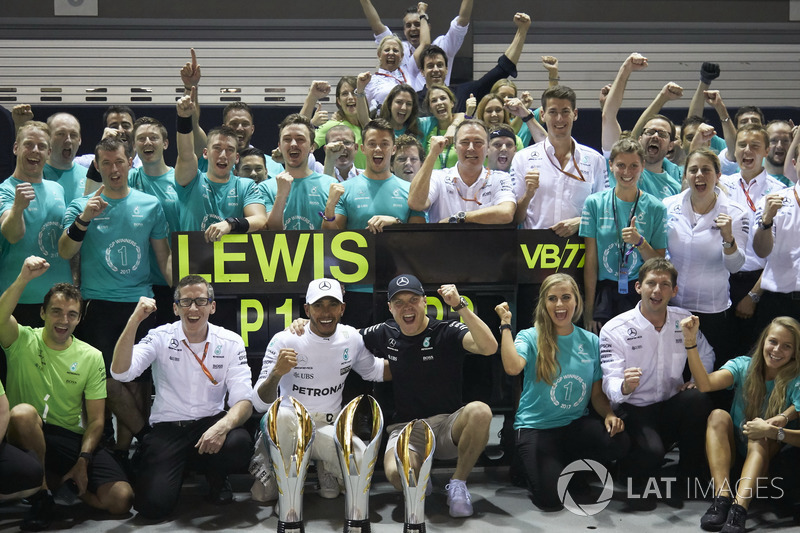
x,y
402,282
324,285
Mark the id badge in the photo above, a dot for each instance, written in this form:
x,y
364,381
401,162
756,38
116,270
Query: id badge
x,y
622,284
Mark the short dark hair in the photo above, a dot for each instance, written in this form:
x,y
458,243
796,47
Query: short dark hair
x,y
658,264
121,109
667,120
694,120
404,141
235,106
559,92
150,121
377,124
747,109
193,279
225,131
68,290
755,128
430,51
297,118
412,126
248,152
111,144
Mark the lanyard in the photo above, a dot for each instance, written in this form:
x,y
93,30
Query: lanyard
x,y
747,193
393,77
579,177
200,361
444,156
624,251
475,199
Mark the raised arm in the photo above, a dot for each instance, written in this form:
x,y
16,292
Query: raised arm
x,y
190,76
32,267
71,240
373,18
267,390
670,91
531,186
465,12
421,183
425,30
284,181
717,380
479,339
762,239
319,89
331,219
708,73
362,105
513,363
611,128
12,222
186,164
20,114
714,99
123,350
788,166
522,21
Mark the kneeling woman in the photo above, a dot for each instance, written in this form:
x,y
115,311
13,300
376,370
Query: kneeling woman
x,y
766,386
562,373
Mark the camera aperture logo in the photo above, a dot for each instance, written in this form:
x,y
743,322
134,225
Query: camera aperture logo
x,y
585,465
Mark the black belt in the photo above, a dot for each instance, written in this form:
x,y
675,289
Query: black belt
x,y
178,423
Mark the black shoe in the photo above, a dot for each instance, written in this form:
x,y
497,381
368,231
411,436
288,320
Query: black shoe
x,y
717,514
220,493
737,517
41,512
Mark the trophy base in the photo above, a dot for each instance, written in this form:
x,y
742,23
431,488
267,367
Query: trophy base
x,y
414,528
357,526
291,527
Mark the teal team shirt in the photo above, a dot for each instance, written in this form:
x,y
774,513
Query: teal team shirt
x,y
163,188
73,181
597,222
738,367
364,198
204,202
543,406
273,168
659,184
42,218
306,199
115,255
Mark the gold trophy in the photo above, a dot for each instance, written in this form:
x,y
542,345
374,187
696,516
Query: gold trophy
x,y
288,434
414,485
357,460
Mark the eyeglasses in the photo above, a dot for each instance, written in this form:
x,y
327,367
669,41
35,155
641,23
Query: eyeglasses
x,y
661,133
199,302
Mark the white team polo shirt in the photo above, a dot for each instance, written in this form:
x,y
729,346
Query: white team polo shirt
x,y
739,191
559,196
782,270
694,245
449,194
381,83
630,340
183,391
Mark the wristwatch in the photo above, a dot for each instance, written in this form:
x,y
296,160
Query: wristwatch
x,y
754,296
504,326
462,303
458,218
528,117
780,436
728,244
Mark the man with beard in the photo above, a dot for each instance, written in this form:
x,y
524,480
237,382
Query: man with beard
x,y
296,197
780,138
408,157
468,191
340,151
216,202
118,121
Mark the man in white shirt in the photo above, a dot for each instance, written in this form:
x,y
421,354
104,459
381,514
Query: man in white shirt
x,y
195,366
468,191
312,368
553,178
643,357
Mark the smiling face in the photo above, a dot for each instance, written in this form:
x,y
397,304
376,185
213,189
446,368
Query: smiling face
x,y
390,54
778,349
113,167
60,318
66,139
501,153
440,105
222,156
123,123
561,303
701,175
780,137
493,113
324,315
750,152
345,136
32,151
656,290
627,168
347,102
434,69
471,141
408,310
401,108
252,166
507,92
407,163
194,319
378,147
559,116
655,140
295,145
149,143
411,25
750,117
242,123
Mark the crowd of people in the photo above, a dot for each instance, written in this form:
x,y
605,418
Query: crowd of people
x,y
690,283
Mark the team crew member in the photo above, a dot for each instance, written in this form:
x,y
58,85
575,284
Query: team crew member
x,y
642,355
707,238
340,151
216,202
312,368
502,149
621,227
56,389
31,210
61,167
468,191
747,187
20,472
408,157
426,358
776,239
561,364
297,195
568,172
188,426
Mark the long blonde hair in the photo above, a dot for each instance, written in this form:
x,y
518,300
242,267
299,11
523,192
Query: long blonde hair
x,y
547,365
755,384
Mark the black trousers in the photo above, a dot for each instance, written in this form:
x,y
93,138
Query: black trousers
x,y
545,452
19,470
169,448
653,429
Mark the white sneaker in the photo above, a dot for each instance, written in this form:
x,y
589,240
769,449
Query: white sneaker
x,y
328,484
458,499
264,493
